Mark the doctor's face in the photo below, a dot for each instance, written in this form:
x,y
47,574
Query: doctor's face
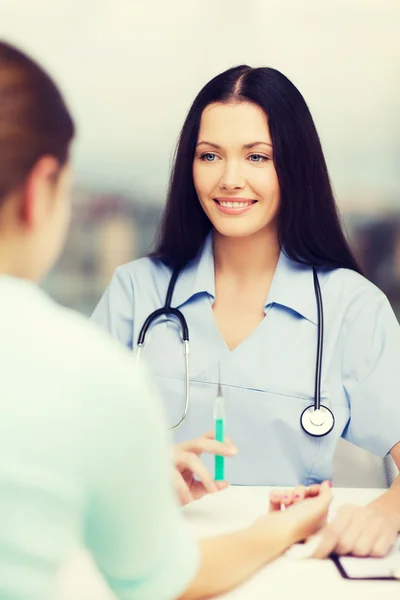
x,y
233,169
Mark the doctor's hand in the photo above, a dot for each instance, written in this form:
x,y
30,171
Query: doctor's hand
x,y
360,531
191,478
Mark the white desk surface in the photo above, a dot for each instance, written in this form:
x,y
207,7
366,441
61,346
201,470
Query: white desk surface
x,y
284,578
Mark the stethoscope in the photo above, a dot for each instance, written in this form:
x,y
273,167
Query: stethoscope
x,y
316,420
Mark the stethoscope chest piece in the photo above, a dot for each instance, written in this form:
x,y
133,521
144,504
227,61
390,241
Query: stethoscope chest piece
x,y
318,422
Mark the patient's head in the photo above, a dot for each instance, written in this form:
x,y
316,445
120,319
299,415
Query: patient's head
x,y
36,131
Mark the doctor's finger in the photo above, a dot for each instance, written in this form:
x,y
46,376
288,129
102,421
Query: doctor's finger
x,y
211,436
198,490
365,543
383,544
190,461
358,524
210,446
181,488
332,533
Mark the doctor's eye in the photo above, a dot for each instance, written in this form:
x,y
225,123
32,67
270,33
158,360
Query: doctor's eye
x,y
258,158
209,157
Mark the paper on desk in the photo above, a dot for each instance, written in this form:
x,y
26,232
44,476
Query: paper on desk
x,y
369,568
365,568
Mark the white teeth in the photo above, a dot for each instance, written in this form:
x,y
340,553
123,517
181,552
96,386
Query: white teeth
x,y
235,204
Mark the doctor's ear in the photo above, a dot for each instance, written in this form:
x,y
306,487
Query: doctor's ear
x,y
39,191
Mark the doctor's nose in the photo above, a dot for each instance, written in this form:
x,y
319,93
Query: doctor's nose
x,y
232,180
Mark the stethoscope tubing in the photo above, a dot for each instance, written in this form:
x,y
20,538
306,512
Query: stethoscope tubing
x,y
325,419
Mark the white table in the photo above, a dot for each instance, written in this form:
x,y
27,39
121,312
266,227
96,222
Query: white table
x,y
283,579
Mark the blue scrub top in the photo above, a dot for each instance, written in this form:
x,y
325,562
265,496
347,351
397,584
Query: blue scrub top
x,y
268,380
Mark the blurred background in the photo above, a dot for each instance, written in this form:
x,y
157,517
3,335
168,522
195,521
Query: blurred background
x,y
130,70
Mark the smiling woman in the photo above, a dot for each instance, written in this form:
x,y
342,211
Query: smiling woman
x,y
250,224
251,127
235,176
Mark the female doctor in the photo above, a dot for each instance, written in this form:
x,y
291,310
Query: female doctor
x,y
253,255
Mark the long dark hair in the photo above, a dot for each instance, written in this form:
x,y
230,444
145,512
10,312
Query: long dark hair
x,y
34,120
309,225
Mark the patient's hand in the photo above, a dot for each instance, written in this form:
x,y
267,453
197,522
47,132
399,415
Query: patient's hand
x,y
306,511
279,499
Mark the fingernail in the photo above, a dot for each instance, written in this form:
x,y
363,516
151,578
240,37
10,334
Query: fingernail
x,y
222,484
296,496
330,484
286,497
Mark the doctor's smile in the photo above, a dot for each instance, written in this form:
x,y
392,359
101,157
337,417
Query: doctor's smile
x,y
234,206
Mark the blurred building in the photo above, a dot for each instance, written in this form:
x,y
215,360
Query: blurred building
x,y
106,231
377,244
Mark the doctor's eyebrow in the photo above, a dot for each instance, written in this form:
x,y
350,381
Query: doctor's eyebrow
x,y
246,146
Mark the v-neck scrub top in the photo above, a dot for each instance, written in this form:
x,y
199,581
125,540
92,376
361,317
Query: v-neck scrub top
x,y
268,380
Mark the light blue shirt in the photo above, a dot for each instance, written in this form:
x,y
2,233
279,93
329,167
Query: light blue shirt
x,y
268,380
84,458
